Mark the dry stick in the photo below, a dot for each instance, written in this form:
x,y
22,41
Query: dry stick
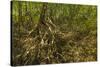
x,y
50,22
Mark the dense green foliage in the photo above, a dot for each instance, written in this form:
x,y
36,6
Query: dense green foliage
x,y
47,33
